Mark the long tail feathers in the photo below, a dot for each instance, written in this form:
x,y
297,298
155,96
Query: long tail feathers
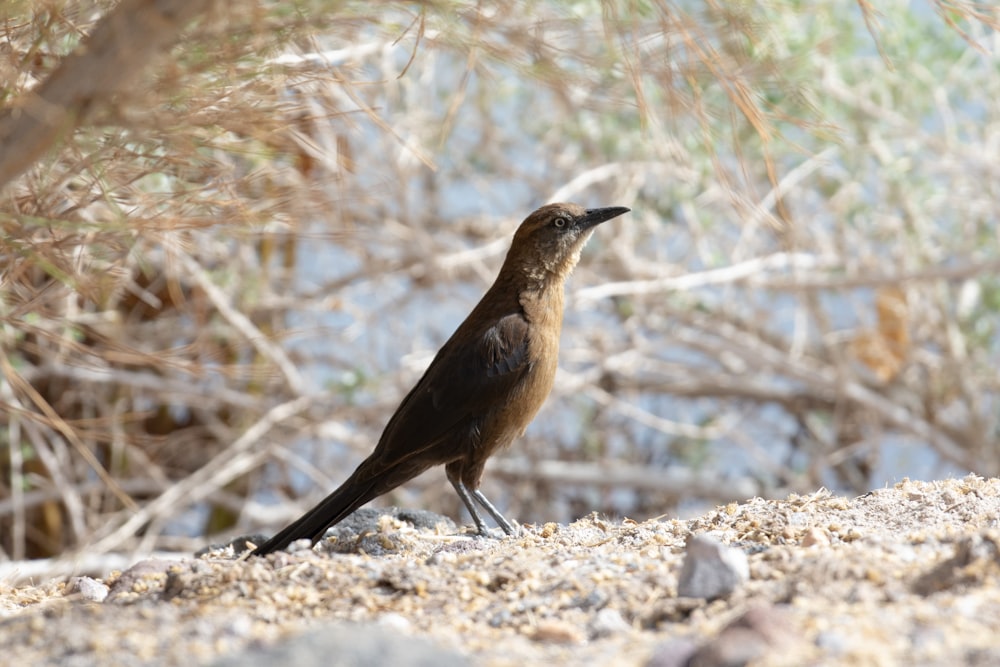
x,y
351,495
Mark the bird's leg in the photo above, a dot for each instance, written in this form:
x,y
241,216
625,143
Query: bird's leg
x,y
463,493
506,525
466,497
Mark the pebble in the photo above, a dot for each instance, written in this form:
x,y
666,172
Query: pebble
x,y
607,622
89,589
711,570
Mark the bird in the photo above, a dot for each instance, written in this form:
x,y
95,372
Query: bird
x,y
484,386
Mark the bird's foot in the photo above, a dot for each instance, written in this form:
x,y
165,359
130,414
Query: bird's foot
x,y
498,533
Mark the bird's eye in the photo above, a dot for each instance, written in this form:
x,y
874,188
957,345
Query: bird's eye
x,y
560,222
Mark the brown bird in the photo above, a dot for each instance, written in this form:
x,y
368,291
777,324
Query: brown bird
x,y
485,384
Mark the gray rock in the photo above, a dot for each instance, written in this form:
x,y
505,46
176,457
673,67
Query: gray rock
x,y
711,570
89,589
607,622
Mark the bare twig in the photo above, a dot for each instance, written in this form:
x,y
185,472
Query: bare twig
x,y
731,274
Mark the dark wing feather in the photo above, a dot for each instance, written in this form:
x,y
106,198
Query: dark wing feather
x,y
505,346
465,378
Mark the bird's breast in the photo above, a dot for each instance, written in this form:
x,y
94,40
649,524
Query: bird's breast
x,y
508,420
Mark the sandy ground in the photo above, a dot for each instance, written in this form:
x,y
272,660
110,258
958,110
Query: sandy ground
x,y
903,575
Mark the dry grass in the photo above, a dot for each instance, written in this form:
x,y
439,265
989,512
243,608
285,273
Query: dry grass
x,y
220,265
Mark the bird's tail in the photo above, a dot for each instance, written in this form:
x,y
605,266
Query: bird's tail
x,y
348,497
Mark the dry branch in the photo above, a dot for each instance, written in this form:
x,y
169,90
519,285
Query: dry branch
x,y
108,63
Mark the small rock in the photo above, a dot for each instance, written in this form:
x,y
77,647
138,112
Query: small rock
x,y
607,622
299,545
852,535
89,589
673,653
815,537
557,632
711,570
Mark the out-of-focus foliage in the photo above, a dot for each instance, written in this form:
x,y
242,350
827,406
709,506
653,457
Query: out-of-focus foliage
x,y
224,287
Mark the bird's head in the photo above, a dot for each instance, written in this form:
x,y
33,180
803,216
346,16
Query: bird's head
x,y
549,241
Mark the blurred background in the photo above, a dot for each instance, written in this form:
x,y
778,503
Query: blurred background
x,y
221,281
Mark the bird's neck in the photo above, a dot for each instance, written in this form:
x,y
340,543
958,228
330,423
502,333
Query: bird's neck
x,y
533,276
539,291
544,306
541,275
537,267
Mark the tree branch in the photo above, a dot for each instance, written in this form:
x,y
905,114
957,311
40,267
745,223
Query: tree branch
x,y
109,62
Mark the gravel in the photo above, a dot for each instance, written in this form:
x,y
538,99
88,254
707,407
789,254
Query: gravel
x,y
902,575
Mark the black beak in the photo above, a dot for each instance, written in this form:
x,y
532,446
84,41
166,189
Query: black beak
x,y
595,216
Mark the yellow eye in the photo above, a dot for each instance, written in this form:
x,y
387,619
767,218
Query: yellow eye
x,y
560,222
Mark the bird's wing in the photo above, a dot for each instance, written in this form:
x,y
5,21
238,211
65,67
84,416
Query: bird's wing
x,y
465,378
504,347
